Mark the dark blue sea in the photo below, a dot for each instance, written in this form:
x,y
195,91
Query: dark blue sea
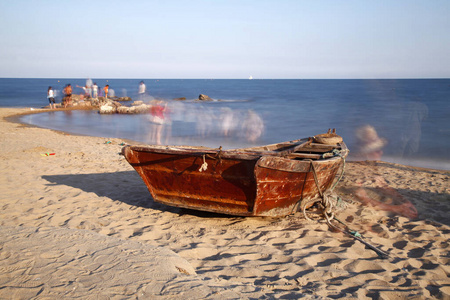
x,y
410,117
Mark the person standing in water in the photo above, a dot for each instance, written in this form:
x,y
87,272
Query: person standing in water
x,y
51,97
68,95
157,110
106,89
142,90
95,91
89,87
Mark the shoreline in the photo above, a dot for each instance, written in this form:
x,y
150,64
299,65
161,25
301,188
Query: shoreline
x,y
15,118
84,213
436,164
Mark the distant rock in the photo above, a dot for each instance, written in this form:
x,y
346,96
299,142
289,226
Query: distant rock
x,y
115,103
137,103
180,99
107,109
122,99
142,109
83,104
112,107
123,110
204,98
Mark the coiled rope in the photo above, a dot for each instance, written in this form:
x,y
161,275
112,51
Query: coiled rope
x,y
327,204
327,197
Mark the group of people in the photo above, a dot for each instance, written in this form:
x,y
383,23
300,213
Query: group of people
x,y
67,99
90,91
201,121
229,123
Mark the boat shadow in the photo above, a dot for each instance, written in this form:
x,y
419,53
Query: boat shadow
x,y
124,186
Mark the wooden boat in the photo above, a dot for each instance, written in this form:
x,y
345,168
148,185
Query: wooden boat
x,y
273,180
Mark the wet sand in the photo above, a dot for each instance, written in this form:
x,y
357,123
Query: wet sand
x,y
81,223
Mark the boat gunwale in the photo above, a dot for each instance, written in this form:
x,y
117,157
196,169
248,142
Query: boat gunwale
x,y
241,154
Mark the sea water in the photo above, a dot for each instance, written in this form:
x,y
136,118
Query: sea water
x,y
411,116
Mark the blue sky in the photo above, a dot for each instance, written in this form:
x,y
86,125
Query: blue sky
x,y
225,39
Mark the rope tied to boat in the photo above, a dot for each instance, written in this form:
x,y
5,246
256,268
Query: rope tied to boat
x,y
327,198
328,204
218,155
204,166
337,152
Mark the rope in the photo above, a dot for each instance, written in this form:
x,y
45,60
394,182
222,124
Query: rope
x,y
204,166
338,153
307,204
327,197
357,236
327,205
218,156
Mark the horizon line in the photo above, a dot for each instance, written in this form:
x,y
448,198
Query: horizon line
x,y
136,78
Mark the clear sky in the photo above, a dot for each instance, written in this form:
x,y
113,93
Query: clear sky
x,y
225,39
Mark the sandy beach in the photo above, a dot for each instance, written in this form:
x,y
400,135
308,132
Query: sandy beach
x,y
80,223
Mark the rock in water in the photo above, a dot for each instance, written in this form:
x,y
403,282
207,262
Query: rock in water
x,y
204,98
107,109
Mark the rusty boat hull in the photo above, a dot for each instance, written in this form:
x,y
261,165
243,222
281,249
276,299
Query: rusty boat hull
x,y
271,180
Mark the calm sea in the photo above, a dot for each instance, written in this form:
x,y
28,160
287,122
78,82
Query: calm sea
x,y
410,116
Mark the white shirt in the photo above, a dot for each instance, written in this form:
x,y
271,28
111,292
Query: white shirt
x,y
142,88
